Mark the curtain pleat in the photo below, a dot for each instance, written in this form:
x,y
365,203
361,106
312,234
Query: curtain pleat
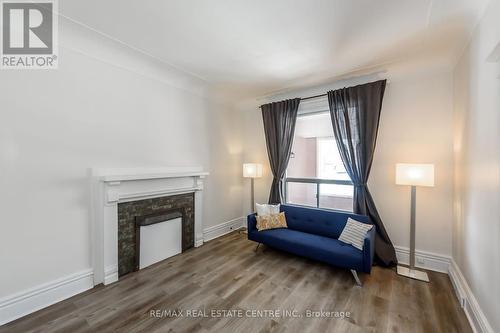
x,y
279,127
355,114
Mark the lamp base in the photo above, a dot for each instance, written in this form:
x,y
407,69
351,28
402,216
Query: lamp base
x,y
413,273
242,230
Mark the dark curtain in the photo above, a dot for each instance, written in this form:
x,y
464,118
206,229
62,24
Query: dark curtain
x,y
279,127
355,113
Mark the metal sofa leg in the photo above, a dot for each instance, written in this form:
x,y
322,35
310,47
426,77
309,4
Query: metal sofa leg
x,y
355,274
257,247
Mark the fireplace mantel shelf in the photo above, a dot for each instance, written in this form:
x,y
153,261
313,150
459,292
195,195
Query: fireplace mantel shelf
x,y
144,176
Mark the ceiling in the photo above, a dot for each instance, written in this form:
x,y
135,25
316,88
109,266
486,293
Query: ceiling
x,y
261,46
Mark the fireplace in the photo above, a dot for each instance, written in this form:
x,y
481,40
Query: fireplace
x,y
120,197
134,214
157,237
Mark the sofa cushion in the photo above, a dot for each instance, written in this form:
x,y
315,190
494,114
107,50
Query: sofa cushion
x,y
321,248
316,221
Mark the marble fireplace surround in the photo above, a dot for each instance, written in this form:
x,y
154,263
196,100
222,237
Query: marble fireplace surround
x,y
112,186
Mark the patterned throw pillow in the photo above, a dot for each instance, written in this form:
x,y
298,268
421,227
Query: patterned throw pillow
x,y
354,233
271,221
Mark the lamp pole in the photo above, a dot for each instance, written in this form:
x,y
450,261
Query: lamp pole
x,y
412,226
411,272
414,175
252,196
252,171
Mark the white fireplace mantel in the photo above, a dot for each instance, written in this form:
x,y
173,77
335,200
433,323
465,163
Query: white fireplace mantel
x,y
112,186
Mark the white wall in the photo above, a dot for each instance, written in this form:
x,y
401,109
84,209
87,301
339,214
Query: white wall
x,y
415,126
106,106
222,201
476,229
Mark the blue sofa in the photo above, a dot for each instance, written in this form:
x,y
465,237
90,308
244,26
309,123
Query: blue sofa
x,y
314,233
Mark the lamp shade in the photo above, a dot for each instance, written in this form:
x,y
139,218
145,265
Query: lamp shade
x,y
252,170
415,174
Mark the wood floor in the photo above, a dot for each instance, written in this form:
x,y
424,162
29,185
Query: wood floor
x,y
226,274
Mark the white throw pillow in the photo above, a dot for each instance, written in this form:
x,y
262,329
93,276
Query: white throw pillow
x,y
266,209
262,209
354,233
274,209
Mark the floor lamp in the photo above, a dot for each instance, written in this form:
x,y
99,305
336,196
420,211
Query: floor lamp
x,y
252,171
414,175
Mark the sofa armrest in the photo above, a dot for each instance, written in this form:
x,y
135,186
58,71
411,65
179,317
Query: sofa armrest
x,y
251,223
369,250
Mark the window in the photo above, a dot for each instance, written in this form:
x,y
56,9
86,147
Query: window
x,y
330,166
316,175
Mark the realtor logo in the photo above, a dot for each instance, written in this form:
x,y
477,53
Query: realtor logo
x,y
29,34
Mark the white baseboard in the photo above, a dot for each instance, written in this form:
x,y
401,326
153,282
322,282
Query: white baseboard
x,y
198,242
18,305
223,228
423,259
110,274
468,301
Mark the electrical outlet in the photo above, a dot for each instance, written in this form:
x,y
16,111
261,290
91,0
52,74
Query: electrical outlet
x,y
420,261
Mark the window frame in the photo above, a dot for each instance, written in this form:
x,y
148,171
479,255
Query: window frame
x,y
317,181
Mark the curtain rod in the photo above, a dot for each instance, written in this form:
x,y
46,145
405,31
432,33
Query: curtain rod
x,y
315,96
311,97
322,95
343,79
306,98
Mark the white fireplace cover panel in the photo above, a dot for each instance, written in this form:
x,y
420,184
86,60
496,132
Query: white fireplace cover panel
x,y
160,241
